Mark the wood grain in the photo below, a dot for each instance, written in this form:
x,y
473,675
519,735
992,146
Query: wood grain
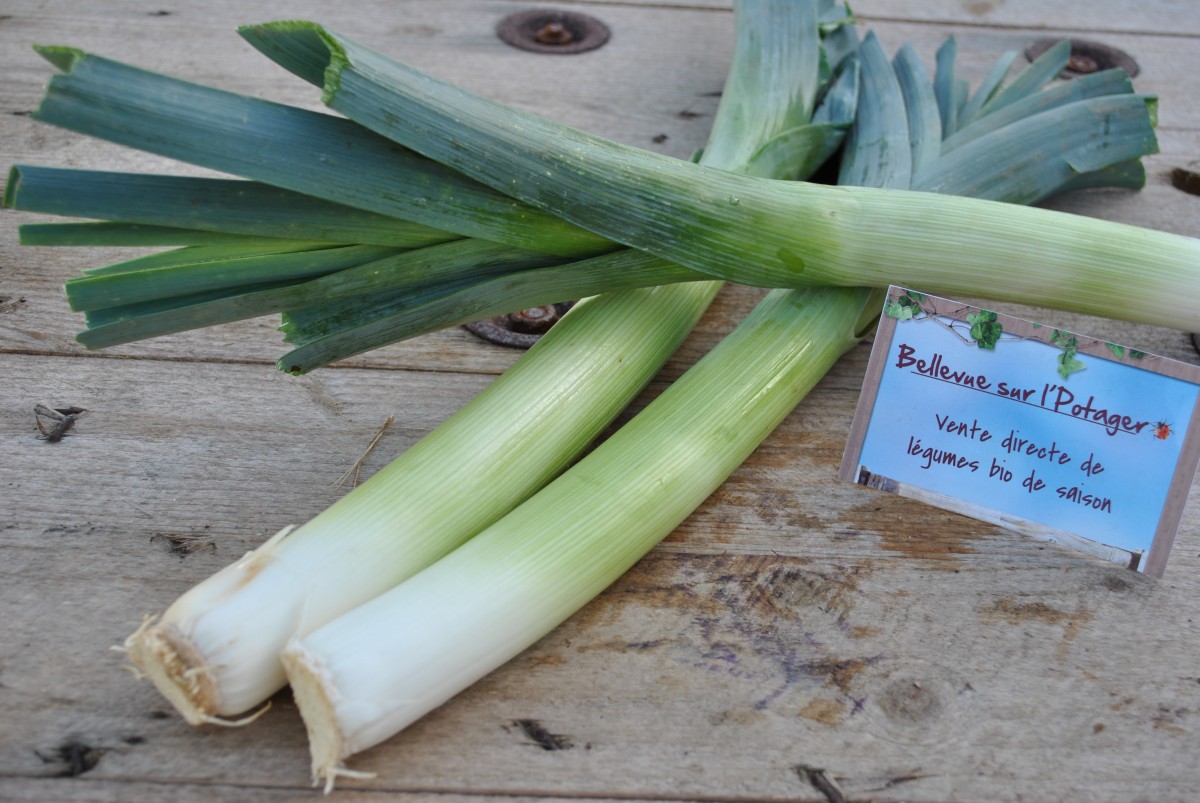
x,y
792,624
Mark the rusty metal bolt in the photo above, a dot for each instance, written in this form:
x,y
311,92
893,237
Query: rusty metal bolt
x,y
1082,64
1086,57
554,33
547,30
519,329
533,321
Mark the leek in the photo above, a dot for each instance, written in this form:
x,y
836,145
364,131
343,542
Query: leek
x,y
770,233
371,672
395,308
215,652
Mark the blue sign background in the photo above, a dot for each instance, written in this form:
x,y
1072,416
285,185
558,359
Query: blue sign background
x,y
1137,468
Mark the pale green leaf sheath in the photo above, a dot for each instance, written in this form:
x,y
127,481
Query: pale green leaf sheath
x,y
215,652
375,670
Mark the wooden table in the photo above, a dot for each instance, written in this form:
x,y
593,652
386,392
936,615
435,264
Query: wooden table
x,y
794,632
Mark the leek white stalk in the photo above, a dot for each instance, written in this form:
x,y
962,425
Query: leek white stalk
x,y
215,652
363,677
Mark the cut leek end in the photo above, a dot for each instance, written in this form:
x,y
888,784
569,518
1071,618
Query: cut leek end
x,y
11,187
182,666
314,691
169,659
64,58
312,53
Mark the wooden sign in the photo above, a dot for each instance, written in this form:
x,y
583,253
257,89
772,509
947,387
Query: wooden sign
x,y
1060,436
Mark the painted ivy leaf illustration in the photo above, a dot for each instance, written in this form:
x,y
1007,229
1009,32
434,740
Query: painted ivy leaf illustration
x,y
985,329
1118,351
895,308
905,307
1135,354
1068,364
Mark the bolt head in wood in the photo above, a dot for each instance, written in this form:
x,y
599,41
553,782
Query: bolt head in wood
x,y
1087,57
548,30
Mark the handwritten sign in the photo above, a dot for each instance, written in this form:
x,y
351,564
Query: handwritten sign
x,y
1057,435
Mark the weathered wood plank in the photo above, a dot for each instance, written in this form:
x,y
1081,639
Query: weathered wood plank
x,y
1175,17
683,56
793,622
1172,17
709,675
675,62
81,790
789,608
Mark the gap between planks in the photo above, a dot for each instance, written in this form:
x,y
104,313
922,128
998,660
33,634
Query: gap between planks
x,y
211,360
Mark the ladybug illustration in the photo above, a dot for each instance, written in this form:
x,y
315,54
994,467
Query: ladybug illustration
x,y
1162,430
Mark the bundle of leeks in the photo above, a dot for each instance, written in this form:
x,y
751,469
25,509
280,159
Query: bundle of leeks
x,y
522,573
211,659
